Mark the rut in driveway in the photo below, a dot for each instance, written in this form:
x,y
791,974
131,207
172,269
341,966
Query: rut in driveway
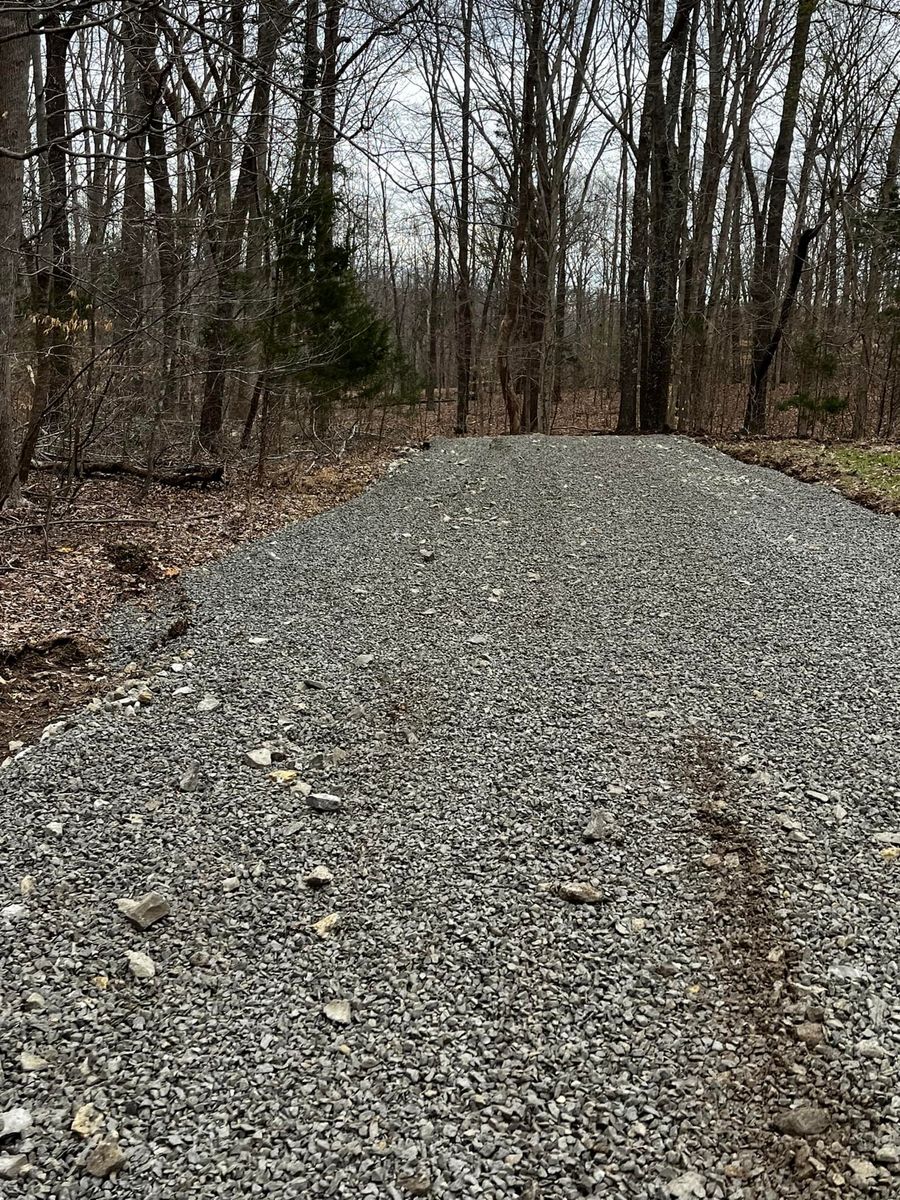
x,y
369,982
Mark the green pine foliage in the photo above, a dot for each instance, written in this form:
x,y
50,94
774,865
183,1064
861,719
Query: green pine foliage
x,y
321,330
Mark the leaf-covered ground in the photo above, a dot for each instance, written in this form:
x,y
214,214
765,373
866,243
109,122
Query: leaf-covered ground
x,y
66,561
867,474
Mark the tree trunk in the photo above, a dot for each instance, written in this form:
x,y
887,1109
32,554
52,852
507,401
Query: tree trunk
x,y
228,243
888,195
14,55
764,285
633,308
327,133
666,207
464,318
53,280
524,198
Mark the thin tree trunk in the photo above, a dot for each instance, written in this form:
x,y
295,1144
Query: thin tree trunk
x,y
464,319
888,195
14,55
53,282
764,286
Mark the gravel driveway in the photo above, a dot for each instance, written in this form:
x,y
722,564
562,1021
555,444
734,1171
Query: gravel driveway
x,y
502,643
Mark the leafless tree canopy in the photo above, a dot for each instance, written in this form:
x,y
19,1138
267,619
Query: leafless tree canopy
x,y
226,226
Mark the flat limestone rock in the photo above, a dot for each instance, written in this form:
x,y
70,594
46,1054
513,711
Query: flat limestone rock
x,y
14,1121
260,757
141,965
338,1011
32,1062
104,1159
12,1165
580,893
146,910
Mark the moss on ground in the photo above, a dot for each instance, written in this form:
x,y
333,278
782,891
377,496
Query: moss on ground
x,y
868,474
878,467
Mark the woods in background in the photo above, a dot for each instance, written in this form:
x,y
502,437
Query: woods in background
x,y
225,226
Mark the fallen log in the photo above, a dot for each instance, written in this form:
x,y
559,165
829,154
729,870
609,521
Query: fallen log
x,y
190,475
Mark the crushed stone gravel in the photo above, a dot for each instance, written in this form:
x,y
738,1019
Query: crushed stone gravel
x,y
498,642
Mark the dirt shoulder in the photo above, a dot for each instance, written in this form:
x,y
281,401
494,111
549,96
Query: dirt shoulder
x,y
67,561
868,474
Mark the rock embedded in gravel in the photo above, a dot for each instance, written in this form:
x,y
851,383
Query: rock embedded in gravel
x,y
602,828
146,910
86,1121
689,1186
804,1121
12,1165
141,965
260,757
338,1011
869,1048
320,877
192,779
415,1185
324,802
209,704
104,1159
15,1121
810,1033
33,1062
327,925
580,893
888,1154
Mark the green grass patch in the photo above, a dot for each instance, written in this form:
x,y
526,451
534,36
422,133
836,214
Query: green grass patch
x,y
870,475
877,468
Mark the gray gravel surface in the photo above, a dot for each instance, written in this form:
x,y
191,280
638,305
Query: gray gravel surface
x,y
703,651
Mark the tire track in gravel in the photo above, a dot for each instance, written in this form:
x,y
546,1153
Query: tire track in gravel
x,y
752,958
